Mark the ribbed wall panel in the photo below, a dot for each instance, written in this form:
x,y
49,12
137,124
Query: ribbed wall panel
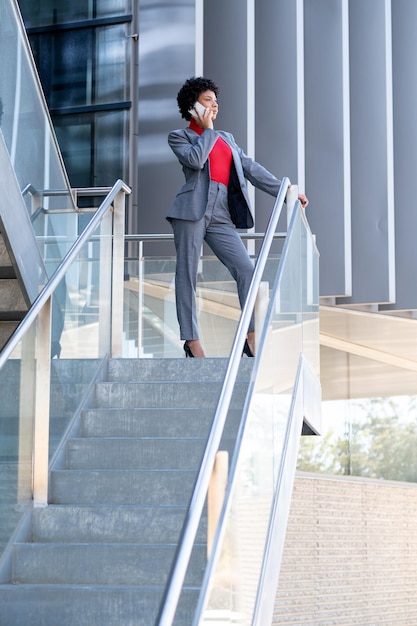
x,y
349,555
372,206
327,120
321,91
225,61
404,51
324,117
279,94
328,140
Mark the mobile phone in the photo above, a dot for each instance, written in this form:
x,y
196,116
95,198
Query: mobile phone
x,y
199,108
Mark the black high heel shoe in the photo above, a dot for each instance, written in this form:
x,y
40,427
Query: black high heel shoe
x,y
187,350
247,350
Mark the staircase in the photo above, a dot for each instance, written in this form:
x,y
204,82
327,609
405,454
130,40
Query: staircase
x,y
12,302
100,553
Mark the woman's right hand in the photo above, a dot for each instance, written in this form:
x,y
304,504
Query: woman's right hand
x,y
206,120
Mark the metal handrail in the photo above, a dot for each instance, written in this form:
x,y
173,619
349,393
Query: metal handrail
x,y
170,237
79,191
185,545
59,273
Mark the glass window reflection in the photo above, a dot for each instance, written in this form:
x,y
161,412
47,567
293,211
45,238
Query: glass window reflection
x,y
83,67
94,147
82,51
43,12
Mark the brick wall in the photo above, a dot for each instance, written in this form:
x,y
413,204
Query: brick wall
x,y
351,553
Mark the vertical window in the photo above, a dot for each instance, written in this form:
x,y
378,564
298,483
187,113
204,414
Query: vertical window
x,y
82,51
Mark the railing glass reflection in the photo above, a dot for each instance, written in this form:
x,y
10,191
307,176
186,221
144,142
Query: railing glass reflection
x,y
150,320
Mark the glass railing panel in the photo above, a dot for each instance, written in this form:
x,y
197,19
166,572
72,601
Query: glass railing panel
x,y
80,327
55,234
56,230
81,301
27,129
17,385
80,337
234,570
150,319
25,121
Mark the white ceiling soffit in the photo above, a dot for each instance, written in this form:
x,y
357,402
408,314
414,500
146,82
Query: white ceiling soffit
x,y
366,354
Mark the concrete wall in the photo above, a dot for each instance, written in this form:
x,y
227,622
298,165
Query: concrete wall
x,y
350,553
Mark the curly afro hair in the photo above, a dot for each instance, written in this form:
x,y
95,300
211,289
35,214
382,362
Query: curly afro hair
x,y
190,91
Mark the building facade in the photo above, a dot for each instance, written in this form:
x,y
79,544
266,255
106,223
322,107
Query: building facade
x,y
322,91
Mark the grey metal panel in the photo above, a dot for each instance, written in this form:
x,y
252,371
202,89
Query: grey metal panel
x,y
327,140
276,107
404,52
225,54
17,228
166,60
225,61
371,151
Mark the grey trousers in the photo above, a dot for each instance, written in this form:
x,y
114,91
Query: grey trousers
x,y
218,231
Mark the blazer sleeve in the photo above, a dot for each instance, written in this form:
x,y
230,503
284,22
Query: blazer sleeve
x,y
192,154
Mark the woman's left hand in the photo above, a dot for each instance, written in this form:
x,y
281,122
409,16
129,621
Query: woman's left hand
x,y
303,199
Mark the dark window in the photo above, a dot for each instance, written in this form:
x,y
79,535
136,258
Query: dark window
x,y
82,51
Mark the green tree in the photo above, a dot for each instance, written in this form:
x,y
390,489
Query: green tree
x,y
328,454
382,444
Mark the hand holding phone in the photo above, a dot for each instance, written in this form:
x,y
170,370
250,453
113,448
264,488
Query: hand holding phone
x,y
197,107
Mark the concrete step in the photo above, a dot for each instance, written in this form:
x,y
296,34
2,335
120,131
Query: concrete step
x,y
163,487
9,426
182,370
166,395
13,305
4,255
6,331
63,371
155,422
100,564
65,398
149,453
7,271
11,297
11,443
110,524
73,370
92,605
10,514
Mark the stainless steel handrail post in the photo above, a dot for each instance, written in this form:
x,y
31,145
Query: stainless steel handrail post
x,y
141,262
292,197
118,274
261,307
42,402
27,390
105,282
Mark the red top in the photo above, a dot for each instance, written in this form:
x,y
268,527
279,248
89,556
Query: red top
x,y
220,157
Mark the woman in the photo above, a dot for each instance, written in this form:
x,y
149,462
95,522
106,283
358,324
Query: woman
x,y
211,205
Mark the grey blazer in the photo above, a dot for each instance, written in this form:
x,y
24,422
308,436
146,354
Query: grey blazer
x,y
192,151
